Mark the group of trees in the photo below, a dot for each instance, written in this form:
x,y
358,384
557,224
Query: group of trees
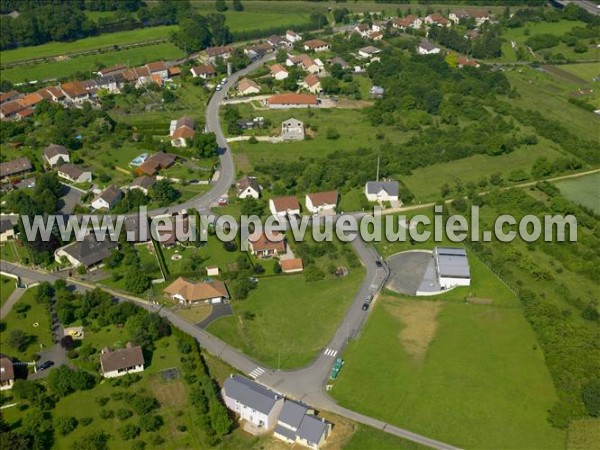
x,y
196,32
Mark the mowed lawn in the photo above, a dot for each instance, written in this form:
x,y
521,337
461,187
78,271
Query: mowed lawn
x,y
585,71
292,320
34,321
91,43
469,375
87,64
7,286
583,190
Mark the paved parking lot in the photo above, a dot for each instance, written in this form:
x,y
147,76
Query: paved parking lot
x,y
407,270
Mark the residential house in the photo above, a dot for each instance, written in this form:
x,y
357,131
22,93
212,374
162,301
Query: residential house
x,y
375,35
298,424
116,363
9,110
380,25
292,36
30,100
279,72
292,265
257,51
9,96
312,83
253,402
15,167
55,154
246,86
182,131
174,230
363,29
284,206
204,71
250,124
292,100
143,183
75,92
292,130
480,16
309,65
377,91
321,202
248,187
463,61
223,52
190,292
381,191
113,70
87,252
56,94
338,60
7,230
7,373
158,161
368,52
316,45
472,34
24,113
410,21
74,173
262,246
108,83
108,198
294,60
158,68
174,71
438,20
279,42
427,48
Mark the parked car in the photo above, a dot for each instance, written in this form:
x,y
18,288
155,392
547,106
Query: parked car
x,y
224,80
369,299
45,366
378,263
222,201
365,306
218,88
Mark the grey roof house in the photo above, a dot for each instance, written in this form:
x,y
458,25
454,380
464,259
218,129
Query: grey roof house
x,y
253,402
298,424
381,191
87,252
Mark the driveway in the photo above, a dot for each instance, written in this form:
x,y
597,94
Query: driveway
x,y
55,353
70,198
407,270
218,310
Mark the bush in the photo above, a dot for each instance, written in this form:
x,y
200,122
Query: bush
x,y
252,140
129,431
65,425
106,413
144,404
591,397
151,422
102,400
123,413
332,134
85,421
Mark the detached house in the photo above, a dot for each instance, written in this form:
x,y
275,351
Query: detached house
x,y
284,206
74,173
204,71
312,83
381,191
316,45
182,131
7,230
292,265
480,16
7,373
437,19
279,72
262,247
278,42
248,187
107,198
158,68
410,21
223,52
87,252
246,86
143,183
55,155
322,202
292,36
427,48
156,162
292,100
116,363
253,402
75,92
292,130
190,293
368,52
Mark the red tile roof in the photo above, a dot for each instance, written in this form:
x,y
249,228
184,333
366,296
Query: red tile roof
x,y
291,265
260,242
283,204
292,99
324,198
315,43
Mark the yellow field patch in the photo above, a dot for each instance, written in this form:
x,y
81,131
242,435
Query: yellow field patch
x,y
419,325
169,393
584,435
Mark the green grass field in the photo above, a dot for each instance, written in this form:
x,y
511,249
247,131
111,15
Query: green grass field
x,y
35,322
293,319
7,286
586,71
583,190
91,43
131,57
583,435
470,375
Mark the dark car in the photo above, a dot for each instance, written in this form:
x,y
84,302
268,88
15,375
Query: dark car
x,y
378,263
365,306
45,365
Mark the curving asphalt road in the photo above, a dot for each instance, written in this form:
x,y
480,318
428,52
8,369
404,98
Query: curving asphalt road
x,y
308,383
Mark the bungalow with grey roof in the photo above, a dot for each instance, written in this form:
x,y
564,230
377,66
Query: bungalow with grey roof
x,y
74,173
376,191
108,198
56,154
298,424
87,252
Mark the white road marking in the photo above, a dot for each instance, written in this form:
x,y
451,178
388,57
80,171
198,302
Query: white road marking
x,y
257,372
330,352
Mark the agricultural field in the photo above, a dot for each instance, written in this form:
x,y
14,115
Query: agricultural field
x,y
583,190
585,71
104,40
285,321
88,64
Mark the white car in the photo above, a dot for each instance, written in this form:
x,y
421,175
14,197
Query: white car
x,y
218,88
224,80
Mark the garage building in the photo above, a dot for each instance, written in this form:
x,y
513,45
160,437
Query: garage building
x,y
452,267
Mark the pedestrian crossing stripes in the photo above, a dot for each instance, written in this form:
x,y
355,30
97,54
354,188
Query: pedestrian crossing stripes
x,y
330,352
257,372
